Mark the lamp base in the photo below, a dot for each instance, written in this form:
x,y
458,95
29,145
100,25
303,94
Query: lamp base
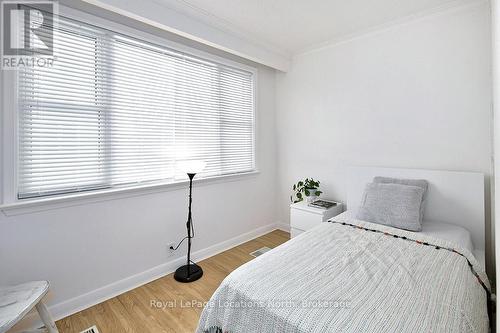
x,y
182,275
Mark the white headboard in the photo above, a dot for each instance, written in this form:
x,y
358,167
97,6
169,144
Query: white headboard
x,y
453,197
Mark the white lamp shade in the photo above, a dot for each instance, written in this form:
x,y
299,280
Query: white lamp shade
x,y
191,166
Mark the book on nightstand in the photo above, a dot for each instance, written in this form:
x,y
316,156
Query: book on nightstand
x,y
323,204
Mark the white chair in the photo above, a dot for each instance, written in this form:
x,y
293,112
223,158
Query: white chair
x,y
17,301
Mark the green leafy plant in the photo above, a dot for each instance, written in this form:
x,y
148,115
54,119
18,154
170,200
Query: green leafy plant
x,y
305,188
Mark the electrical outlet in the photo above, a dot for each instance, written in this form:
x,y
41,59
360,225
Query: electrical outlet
x,y
170,247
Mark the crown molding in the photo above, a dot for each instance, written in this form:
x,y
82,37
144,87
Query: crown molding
x,y
186,8
189,21
162,16
455,5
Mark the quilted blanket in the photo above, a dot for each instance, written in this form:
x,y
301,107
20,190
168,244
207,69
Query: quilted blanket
x,y
353,276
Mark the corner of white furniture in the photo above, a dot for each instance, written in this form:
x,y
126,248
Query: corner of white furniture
x,y
304,217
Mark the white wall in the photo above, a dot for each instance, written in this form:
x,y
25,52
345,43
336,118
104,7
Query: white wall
x,y
414,95
82,248
495,29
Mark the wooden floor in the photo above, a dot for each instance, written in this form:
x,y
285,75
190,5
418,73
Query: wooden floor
x,y
133,311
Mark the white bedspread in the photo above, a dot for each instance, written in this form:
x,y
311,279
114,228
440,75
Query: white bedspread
x,y
340,278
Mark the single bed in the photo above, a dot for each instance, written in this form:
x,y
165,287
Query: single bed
x,y
455,198
349,275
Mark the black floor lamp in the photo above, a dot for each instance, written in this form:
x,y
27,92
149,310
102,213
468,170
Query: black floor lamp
x,y
191,271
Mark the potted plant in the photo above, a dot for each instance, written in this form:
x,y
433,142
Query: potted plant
x,y
308,189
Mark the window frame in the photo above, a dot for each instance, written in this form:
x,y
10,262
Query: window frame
x,y
11,205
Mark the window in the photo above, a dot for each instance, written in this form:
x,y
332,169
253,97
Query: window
x,y
116,111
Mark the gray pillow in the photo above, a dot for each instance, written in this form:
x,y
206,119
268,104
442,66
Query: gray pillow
x,y
413,182
394,205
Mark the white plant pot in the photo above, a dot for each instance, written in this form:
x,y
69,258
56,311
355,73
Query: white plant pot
x,y
311,197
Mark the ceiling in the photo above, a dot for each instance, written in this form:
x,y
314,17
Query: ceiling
x,y
293,26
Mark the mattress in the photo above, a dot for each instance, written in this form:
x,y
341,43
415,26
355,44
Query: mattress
x,y
352,276
441,230
448,232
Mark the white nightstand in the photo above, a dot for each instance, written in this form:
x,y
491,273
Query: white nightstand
x,y
303,217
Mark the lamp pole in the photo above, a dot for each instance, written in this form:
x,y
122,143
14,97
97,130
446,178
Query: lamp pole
x,y
188,223
191,271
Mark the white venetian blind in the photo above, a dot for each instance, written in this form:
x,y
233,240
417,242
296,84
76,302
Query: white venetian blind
x,y
117,111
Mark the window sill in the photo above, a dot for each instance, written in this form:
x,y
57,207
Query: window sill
x,y
37,205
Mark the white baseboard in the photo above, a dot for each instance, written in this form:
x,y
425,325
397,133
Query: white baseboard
x,y
81,302
283,226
